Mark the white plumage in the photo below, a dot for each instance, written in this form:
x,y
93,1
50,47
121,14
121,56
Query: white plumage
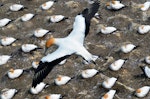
x,y
142,92
108,30
63,62
53,96
147,59
4,59
38,88
115,66
143,29
145,6
108,83
127,48
115,5
40,32
88,73
146,71
56,18
28,47
7,41
109,95
4,22
72,44
62,80
35,64
14,73
47,5
16,7
27,17
8,93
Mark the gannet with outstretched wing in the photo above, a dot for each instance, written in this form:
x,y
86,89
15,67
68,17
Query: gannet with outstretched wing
x,y
72,44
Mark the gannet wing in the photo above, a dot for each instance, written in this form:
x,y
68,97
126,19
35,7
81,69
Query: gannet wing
x,y
48,62
81,24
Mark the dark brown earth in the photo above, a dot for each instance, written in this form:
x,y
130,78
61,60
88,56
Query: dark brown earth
x,y
106,46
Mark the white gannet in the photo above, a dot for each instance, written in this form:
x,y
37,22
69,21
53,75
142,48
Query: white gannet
x,y
16,7
4,59
47,5
35,64
57,18
147,59
27,17
72,44
143,29
108,30
114,5
117,64
38,88
146,71
6,41
128,48
14,73
29,47
109,95
88,73
53,96
40,32
4,22
108,83
8,93
62,80
142,92
145,6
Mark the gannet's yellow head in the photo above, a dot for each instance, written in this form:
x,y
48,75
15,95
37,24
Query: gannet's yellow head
x,y
113,2
11,70
142,6
105,96
49,43
138,91
47,97
108,4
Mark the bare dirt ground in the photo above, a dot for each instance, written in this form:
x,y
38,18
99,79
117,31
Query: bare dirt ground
x,y
106,46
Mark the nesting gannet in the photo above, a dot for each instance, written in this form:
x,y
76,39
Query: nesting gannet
x,y
53,96
142,92
109,95
128,48
147,59
108,83
143,29
40,32
16,7
145,6
72,44
29,47
107,30
88,73
14,73
117,64
146,71
4,22
38,88
35,64
62,80
57,18
4,59
27,17
47,5
7,41
8,93
114,5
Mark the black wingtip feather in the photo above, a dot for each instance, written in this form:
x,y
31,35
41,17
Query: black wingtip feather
x,y
88,13
43,70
